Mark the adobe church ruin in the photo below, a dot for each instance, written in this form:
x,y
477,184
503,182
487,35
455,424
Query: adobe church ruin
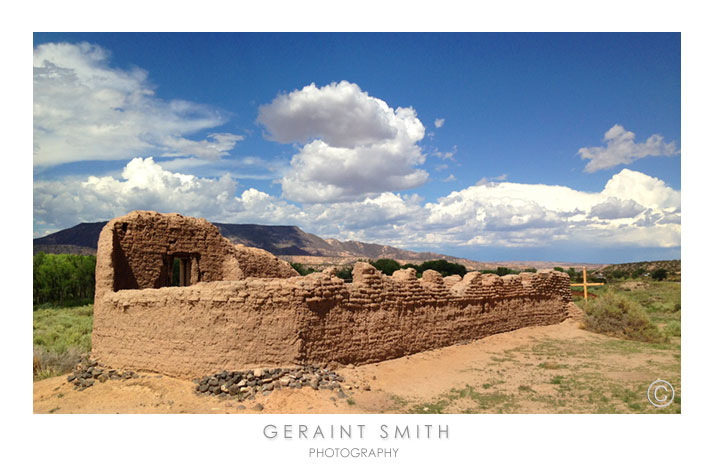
x,y
237,307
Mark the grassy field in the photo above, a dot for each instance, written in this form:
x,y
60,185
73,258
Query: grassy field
x,y
573,376
60,336
591,373
662,301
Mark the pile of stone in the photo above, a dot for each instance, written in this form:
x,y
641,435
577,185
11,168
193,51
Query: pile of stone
x,y
246,384
89,371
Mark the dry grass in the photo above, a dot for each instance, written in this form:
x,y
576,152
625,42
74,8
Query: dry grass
x,y
48,363
60,337
616,315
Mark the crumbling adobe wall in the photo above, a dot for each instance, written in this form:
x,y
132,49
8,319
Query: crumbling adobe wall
x,y
134,252
379,317
200,329
250,322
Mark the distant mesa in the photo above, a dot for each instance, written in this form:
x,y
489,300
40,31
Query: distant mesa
x,y
283,241
289,243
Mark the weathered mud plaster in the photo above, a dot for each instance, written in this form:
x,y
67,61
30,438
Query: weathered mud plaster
x,y
244,308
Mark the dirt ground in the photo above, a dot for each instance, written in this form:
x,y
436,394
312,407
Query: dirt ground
x,y
554,369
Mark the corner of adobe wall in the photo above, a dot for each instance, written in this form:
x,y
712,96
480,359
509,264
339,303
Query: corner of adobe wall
x,y
104,269
259,263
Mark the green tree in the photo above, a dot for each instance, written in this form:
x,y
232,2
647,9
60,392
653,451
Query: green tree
x,y
386,265
63,279
443,267
345,273
501,271
300,268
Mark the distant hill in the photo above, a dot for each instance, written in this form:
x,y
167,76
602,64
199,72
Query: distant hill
x,y
284,241
673,267
82,235
278,240
289,243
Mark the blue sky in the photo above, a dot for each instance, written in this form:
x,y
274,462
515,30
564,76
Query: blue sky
x,y
561,147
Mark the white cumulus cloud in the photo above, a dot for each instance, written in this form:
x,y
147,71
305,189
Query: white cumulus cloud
x,y
143,185
354,145
84,109
645,190
438,123
620,148
615,208
633,209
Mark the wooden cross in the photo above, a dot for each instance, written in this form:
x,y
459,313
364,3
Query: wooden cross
x,y
585,284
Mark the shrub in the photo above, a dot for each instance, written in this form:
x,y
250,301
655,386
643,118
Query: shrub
x,y
660,274
49,363
618,274
673,329
616,315
638,273
59,337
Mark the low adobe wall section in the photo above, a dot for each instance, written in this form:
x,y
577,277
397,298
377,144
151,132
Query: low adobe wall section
x,y
244,308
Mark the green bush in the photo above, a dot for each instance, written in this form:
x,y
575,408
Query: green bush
x,y
673,329
59,337
618,274
660,274
615,315
638,273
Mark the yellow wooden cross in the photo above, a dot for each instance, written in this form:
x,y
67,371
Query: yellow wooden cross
x,y
585,284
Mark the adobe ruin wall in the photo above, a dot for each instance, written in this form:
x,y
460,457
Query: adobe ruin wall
x,y
233,319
